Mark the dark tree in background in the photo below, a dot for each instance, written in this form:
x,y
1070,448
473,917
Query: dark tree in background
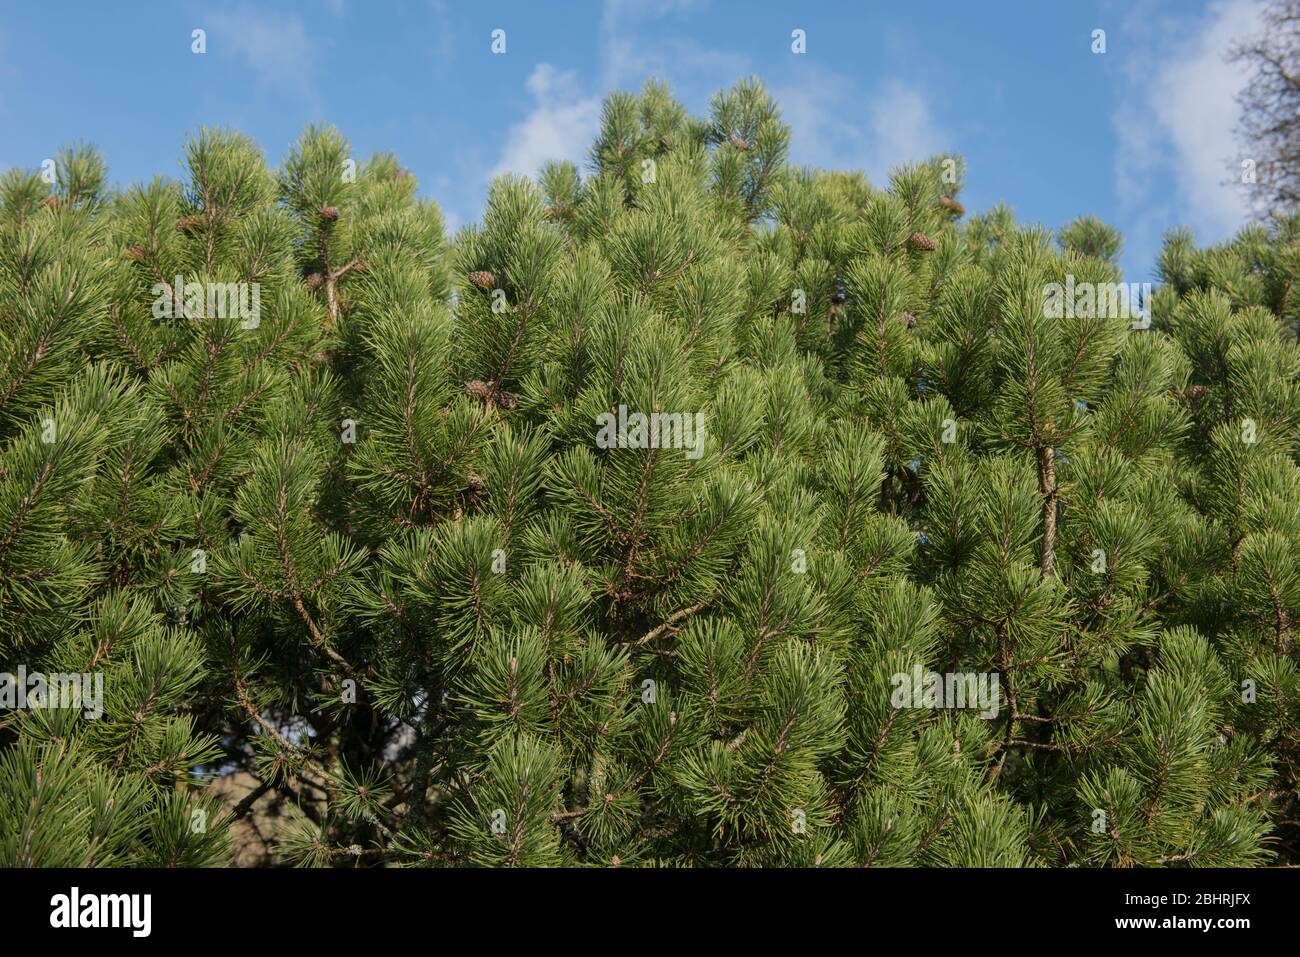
x,y
1270,121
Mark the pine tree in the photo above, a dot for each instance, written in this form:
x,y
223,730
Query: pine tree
x,y
603,532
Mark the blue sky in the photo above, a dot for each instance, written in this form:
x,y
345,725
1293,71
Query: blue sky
x,y
1140,135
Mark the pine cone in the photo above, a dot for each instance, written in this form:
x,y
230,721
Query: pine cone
x,y
189,224
51,202
136,253
921,241
483,279
329,213
478,389
1195,391
910,320
315,281
738,141
490,392
475,487
954,207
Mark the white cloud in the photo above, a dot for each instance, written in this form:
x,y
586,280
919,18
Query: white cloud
x,y
275,47
835,126
1177,119
565,117
561,125
629,54
902,129
831,127
443,35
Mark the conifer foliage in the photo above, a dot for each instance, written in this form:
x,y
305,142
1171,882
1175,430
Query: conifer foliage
x,y
603,532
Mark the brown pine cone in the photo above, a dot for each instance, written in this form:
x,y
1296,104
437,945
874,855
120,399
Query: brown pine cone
x,y
738,142
329,213
136,253
1195,391
189,224
51,202
910,320
950,204
478,389
483,279
490,392
475,487
315,281
922,242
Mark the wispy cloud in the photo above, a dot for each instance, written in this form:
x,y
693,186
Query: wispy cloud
x,y
561,125
834,122
903,130
274,46
836,125
1176,122
565,114
443,45
629,53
